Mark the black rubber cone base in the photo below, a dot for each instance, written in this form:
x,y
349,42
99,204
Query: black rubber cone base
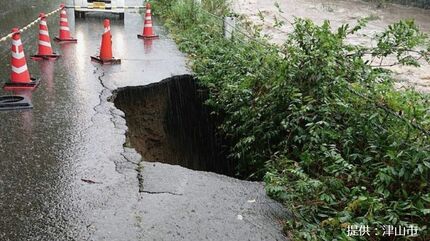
x,y
69,40
101,61
14,102
11,86
147,37
53,56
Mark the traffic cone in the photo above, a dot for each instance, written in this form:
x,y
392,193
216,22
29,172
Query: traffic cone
x,y
45,49
105,56
64,28
148,32
20,77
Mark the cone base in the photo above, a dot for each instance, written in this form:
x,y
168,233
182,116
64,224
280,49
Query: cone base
x,y
14,102
67,40
11,86
154,36
38,57
101,61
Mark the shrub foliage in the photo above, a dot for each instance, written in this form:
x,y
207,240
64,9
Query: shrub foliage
x,y
326,130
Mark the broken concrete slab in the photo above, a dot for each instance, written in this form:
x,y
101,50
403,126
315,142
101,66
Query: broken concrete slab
x,y
181,204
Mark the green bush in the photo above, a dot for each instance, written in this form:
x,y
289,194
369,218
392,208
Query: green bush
x,y
333,139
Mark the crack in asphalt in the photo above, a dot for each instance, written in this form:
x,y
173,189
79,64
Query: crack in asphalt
x,y
128,160
99,104
154,192
112,120
101,80
101,94
112,116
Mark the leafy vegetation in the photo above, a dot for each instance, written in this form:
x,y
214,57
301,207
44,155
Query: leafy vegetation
x,y
317,119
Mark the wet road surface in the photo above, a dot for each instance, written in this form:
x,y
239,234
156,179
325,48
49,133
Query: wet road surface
x,y
64,173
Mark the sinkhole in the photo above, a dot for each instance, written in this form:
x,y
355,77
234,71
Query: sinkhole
x,y
168,122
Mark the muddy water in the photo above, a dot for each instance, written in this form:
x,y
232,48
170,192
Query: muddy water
x,y
340,12
168,122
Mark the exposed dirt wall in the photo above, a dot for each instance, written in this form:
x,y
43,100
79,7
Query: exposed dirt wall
x,y
168,122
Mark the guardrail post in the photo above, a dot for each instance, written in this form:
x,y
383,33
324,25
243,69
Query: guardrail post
x,y
229,26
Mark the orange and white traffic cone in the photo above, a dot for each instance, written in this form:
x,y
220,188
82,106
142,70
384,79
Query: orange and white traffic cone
x,y
64,28
105,56
20,77
148,32
45,48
